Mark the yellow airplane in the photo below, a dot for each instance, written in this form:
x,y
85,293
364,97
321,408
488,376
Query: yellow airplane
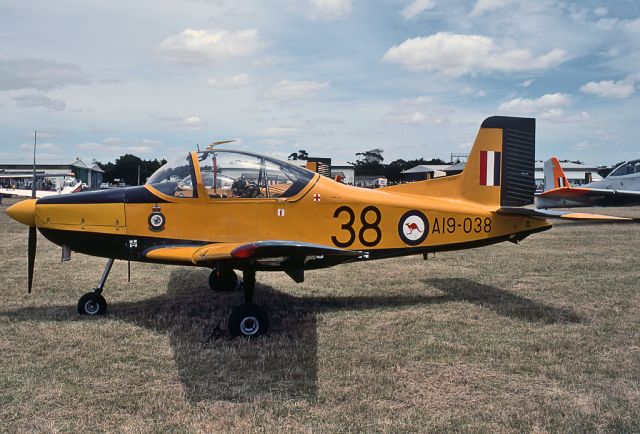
x,y
234,210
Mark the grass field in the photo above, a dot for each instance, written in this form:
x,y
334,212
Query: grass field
x,y
541,336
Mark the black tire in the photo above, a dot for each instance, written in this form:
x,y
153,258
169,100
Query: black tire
x,y
223,279
248,320
92,304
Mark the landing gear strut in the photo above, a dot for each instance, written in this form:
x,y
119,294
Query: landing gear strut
x,y
248,319
93,303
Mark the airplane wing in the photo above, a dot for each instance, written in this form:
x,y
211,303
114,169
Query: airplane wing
x,y
589,193
26,193
273,254
530,212
566,197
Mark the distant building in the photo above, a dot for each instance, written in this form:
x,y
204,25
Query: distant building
x,y
345,170
422,172
370,181
329,168
578,174
91,175
455,169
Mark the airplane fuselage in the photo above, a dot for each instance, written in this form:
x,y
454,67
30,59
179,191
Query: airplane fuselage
x,y
126,223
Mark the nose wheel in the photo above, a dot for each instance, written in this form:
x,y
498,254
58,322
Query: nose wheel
x,y
249,319
93,303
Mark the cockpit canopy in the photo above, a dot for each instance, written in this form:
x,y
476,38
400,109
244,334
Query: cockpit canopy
x,y
231,174
629,168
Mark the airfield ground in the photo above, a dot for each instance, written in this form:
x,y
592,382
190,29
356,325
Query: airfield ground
x,y
543,336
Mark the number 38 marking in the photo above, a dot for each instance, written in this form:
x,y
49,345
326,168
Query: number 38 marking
x,y
367,226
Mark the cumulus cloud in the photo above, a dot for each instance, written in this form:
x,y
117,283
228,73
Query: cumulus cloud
x,y
470,91
330,9
192,45
115,145
549,107
279,132
455,55
526,83
291,90
48,146
415,118
416,7
192,123
601,11
484,6
416,111
562,116
530,106
38,100
611,89
232,82
39,74
632,26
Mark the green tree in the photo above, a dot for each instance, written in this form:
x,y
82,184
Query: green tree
x,y
300,155
125,169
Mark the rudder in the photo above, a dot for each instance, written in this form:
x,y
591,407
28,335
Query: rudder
x,y
500,168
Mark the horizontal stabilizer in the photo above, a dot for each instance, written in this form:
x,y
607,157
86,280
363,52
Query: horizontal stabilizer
x,y
529,212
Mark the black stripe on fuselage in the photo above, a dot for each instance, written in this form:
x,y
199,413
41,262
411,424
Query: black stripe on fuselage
x,y
115,195
119,247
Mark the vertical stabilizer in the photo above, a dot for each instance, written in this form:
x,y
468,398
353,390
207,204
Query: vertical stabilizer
x,y
554,176
500,168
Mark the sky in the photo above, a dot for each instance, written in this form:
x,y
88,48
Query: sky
x,y
98,79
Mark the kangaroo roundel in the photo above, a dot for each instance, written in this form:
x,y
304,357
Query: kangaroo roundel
x,y
413,227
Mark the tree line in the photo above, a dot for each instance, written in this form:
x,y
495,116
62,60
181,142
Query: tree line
x,y
371,163
368,163
125,169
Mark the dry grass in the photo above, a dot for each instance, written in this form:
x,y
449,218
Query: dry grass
x,y
544,336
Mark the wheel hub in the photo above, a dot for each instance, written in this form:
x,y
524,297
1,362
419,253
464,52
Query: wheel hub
x,y
249,325
91,307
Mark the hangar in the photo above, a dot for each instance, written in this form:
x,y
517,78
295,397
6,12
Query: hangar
x,y
90,174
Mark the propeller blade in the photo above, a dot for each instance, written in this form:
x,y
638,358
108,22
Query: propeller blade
x,y
33,234
33,180
33,239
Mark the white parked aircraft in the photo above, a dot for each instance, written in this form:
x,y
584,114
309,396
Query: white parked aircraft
x,y
69,185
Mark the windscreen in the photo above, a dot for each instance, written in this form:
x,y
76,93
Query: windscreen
x,y
175,178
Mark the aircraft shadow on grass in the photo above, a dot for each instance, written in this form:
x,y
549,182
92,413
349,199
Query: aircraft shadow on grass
x,y
283,365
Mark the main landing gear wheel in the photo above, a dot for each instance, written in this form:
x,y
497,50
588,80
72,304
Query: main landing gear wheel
x,y
92,304
223,279
248,320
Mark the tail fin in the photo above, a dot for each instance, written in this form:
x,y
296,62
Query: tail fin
x,y
499,171
554,176
500,168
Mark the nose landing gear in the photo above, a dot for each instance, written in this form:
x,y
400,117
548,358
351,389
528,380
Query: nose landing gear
x,y
93,303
